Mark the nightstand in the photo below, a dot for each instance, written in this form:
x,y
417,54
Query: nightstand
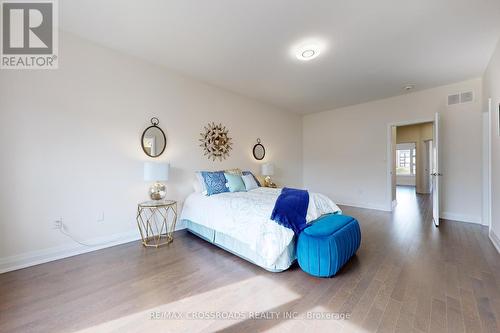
x,y
156,222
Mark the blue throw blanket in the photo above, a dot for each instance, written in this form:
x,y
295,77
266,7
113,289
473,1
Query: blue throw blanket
x,y
290,209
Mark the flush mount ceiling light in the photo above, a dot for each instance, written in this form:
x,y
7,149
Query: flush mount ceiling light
x,y
307,52
409,87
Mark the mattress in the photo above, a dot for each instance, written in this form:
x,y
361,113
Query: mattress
x,y
240,223
242,250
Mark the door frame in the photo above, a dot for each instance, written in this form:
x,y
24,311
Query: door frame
x,y
487,168
391,202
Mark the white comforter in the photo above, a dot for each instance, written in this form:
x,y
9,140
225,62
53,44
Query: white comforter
x,y
245,216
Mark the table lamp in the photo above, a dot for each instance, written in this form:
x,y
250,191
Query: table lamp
x,y
267,170
156,172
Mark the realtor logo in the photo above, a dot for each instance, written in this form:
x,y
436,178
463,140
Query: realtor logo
x,y
29,35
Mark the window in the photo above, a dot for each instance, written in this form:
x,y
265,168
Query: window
x,y
406,159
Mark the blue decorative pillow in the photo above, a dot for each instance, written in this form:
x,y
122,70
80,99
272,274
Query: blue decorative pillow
x,y
245,173
215,182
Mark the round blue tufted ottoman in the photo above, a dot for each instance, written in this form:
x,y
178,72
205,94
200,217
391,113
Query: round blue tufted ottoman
x,y
327,245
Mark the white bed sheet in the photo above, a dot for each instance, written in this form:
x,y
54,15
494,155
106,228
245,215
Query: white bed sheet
x,y
245,216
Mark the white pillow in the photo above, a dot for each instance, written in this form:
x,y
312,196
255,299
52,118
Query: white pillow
x,y
201,183
197,187
250,182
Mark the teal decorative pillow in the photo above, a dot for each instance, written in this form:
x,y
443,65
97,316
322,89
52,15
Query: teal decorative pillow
x,y
234,183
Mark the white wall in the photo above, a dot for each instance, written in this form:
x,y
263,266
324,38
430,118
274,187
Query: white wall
x,y
70,144
491,81
345,150
405,180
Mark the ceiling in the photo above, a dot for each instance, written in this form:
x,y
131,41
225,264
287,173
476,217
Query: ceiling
x,y
371,48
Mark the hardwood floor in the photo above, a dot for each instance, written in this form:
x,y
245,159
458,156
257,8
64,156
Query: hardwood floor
x,y
408,276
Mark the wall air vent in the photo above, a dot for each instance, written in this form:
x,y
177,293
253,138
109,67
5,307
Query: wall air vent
x,y
461,98
453,99
466,97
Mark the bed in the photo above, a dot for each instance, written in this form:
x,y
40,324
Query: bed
x,y
240,223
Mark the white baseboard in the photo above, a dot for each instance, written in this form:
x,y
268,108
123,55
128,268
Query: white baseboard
x,y
461,218
495,240
33,258
444,215
64,251
364,206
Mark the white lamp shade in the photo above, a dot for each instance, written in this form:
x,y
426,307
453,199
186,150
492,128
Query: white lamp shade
x,y
156,171
267,169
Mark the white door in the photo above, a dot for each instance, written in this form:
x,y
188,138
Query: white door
x,y
426,162
436,174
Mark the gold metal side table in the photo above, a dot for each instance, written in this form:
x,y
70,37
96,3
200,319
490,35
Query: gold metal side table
x,y
156,221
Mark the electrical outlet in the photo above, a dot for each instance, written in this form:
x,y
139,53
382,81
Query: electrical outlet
x,y
58,224
100,217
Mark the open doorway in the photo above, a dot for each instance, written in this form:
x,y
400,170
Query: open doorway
x,y
414,156
414,164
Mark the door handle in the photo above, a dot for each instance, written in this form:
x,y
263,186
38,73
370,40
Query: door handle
x,y
436,174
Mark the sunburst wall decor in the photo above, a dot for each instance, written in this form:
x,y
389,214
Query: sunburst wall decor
x,y
216,142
